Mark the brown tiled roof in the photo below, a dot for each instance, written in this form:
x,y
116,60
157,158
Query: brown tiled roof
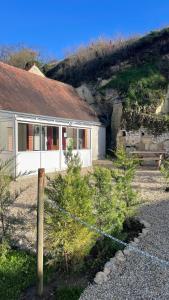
x,y
21,91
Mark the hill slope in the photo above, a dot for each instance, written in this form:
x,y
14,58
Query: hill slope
x,y
134,72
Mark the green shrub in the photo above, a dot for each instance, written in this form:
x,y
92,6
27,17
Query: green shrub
x,y
66,238
108,208
6,199
142,85
17,272
69,293
164,168
123,175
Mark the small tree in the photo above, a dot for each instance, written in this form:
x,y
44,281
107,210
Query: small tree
x,y
66,239
109,208
123,175
164,168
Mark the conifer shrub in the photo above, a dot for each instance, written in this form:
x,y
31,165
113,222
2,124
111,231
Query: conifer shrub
x,y
108,207
123,175
67,240
95,199
164,168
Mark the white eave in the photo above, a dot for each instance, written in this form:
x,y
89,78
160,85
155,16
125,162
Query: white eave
x,y
25,117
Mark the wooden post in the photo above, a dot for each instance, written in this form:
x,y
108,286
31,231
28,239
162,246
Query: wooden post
x,y
40,219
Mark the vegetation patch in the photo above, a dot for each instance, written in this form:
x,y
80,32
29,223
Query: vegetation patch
x,y
69,293
141,85
17,272
155,124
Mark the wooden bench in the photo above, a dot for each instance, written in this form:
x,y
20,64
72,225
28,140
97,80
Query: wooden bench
x,y
156,156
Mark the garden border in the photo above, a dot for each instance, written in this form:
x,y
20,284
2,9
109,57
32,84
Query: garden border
x,y
120,256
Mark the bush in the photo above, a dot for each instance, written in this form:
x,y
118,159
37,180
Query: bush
x,y
67,239
94,199
164,168
17,272
6,200
123,175
108,207
69,293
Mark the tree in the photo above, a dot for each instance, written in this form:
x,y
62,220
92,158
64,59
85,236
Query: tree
x,y
123,175
109,208
164,168
19,56
66,239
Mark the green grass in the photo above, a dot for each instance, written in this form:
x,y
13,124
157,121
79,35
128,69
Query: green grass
x,y
69,293
143,84
17,272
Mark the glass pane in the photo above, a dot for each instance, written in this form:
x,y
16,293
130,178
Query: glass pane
x,y
44,138
22,137
6,136
36,138
55,138
64,136
84,139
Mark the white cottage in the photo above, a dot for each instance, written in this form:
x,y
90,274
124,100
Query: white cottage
x,y
38,119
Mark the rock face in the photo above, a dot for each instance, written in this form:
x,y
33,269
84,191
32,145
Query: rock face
x,y
108,106
133,71
116,121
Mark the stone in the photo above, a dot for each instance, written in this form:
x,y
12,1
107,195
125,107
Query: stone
x,y
85,93
106,271
126,251
144,231
120,256
146,224
100,278
136,240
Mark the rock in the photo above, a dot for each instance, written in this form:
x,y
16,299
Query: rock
x,y
146,224
108,267
145,231
120,256
136,240
100,278
85,93
20,242
126,251
106,271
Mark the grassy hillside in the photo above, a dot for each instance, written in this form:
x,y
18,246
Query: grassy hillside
x,y
101,59
134,71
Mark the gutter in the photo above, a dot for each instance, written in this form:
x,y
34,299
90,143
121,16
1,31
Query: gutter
x,y
39,118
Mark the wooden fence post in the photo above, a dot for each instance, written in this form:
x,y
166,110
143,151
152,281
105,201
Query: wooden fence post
x,y
40,220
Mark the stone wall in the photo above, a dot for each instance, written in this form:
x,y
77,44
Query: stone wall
x,y
143,141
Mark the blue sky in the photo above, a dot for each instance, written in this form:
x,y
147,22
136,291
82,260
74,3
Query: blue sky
x,y
56,26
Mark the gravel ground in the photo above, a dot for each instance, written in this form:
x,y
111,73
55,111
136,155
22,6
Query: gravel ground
x,y
139,277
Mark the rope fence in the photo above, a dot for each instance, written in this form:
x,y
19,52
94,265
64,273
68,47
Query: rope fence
x,y
155,259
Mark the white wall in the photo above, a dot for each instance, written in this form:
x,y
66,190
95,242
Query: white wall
x,y
30,161
98,142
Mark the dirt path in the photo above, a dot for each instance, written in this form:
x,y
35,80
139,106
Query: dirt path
x,y
139,277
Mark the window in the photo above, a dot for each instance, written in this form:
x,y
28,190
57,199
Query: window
x,y
22,137
6,136
37,137
43,138
69,137
36,145
84,139
52,138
